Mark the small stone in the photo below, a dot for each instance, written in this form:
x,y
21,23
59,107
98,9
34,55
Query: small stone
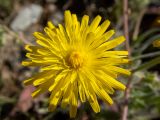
x,y
28,15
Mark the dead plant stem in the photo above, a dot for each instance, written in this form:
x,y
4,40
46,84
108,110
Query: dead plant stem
x,y
128,86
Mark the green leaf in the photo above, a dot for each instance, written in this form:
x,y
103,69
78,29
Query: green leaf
x,y
143,37
1,35
149,42
4,99
148,64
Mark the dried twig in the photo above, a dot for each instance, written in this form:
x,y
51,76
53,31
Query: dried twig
x,y
68,4
126,33
19,36
151,10
126,30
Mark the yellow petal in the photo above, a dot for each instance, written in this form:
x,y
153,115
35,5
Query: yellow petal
x,y
38,76
50,25
65,100
30,63
58,79
95,23
115,84
103,81
52,67
84,22
68,18
101,40
74,100
103,28
37,92
117,53
54,100
97,89
41,88
112,44
81,92
93,100
40,36
119,70
73,111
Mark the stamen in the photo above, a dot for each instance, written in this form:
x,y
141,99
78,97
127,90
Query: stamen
x,y
75,59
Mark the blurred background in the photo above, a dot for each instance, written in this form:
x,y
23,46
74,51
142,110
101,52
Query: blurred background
x,y
20,18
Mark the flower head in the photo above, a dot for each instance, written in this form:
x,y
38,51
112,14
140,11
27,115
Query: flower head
x,y
156,43
76,62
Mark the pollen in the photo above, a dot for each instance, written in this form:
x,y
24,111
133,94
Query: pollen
x,y
75,60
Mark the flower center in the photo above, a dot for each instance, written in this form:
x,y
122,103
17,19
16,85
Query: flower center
x,y
75,59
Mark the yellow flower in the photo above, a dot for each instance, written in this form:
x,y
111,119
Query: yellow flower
x,y
76,62
156,43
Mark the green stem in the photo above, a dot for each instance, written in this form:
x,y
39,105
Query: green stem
x,y
149,64
145,56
